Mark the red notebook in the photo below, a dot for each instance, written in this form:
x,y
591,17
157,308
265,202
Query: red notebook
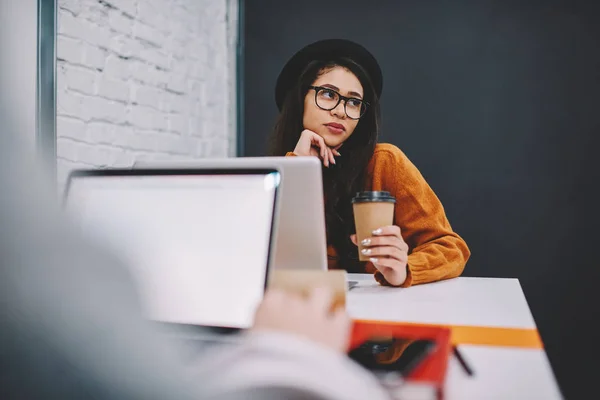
x,y
426,381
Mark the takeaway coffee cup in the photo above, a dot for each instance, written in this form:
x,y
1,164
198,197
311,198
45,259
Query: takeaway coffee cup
x,y
372,210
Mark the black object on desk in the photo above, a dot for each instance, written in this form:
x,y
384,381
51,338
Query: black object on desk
x,y
462,361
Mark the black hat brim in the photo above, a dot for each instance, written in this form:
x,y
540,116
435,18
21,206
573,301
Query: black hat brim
x,y
327,50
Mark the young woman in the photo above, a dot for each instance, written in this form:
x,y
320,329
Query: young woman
x,y
328,96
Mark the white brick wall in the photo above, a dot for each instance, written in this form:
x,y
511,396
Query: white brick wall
x,y
144,79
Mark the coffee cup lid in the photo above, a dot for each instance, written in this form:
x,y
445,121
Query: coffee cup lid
x,y
373,196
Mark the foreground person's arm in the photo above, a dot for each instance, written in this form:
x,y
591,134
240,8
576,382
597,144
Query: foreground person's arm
x,y
298,344
72,325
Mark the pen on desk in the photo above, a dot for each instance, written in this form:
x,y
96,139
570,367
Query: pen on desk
x,y
462,361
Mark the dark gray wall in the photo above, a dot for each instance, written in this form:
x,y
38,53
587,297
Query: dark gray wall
x,y
498,104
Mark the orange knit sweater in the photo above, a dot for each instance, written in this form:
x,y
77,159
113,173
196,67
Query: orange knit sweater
x,y
436,252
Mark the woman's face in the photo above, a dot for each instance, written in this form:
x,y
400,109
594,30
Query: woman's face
x,y
334,126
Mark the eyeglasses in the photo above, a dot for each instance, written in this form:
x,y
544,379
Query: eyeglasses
x,y
327,99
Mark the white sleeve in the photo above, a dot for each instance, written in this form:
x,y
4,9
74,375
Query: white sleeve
x,y
263,359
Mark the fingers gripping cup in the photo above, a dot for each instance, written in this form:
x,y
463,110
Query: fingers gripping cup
x,y
372,210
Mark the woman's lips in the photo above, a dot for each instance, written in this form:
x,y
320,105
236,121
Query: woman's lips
x,y
335,128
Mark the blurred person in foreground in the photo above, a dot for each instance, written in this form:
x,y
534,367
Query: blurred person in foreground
x,y
72,326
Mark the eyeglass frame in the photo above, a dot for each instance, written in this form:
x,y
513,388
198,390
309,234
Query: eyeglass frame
x,y
317,89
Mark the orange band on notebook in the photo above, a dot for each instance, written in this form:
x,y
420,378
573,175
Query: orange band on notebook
x,y
488,335
495,336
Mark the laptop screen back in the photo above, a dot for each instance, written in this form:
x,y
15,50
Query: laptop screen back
x,y
197,244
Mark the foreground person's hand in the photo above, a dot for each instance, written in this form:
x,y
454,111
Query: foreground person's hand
x,y
308,317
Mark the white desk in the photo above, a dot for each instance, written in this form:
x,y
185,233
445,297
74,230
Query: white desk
x,y
501,372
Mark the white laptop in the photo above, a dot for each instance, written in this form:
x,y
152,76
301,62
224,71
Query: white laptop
x,y
198,241
300,237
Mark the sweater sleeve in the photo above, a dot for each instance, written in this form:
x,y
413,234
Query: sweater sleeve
x,y
269,358
436,252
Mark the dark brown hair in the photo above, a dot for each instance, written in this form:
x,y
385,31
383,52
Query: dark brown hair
x,y
342,180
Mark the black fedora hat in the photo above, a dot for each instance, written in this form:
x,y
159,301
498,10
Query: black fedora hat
x,y
327,50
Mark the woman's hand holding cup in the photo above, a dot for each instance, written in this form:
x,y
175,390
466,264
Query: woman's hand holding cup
x,y
388,252
378,239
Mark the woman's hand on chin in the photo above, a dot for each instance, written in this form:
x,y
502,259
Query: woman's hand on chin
x,y
311,144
